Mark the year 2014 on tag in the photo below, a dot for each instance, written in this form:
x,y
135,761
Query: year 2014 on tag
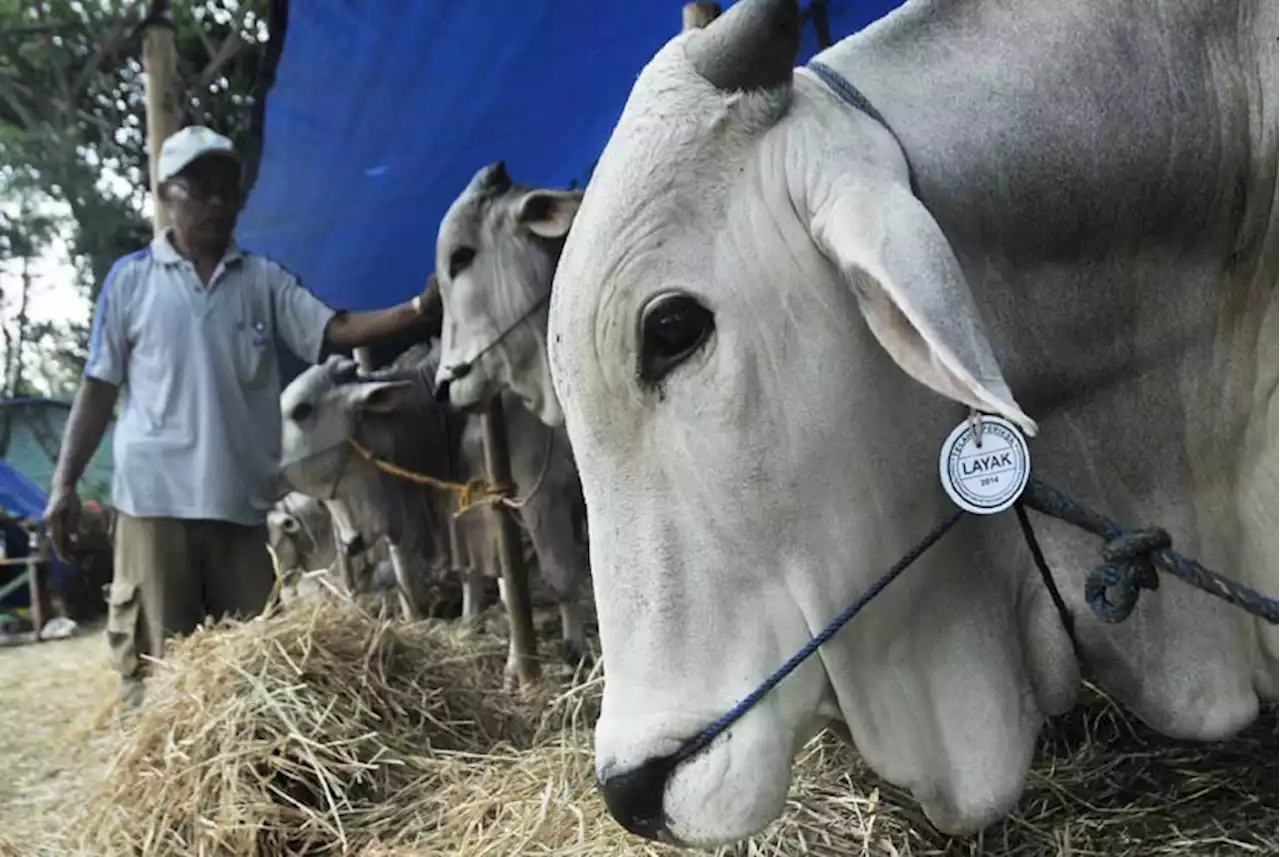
x,y
984,473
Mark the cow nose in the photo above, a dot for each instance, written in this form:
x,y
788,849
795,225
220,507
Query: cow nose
x,y
442,391
634,798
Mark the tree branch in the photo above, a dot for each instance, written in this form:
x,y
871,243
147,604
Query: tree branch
x,y
59,73
41,30
107,48
10,96
226,51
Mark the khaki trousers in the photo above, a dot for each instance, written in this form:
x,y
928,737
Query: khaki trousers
x,y
170,574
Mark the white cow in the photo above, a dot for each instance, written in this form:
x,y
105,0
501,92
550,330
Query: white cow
x,y
496,252
760,336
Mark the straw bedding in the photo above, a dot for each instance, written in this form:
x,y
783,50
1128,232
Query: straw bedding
x,y
325,731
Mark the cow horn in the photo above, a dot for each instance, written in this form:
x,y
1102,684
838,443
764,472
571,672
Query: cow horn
x,y
752,46
495,176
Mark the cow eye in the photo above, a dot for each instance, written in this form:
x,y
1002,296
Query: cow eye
x,y
301,411
672,329
459,259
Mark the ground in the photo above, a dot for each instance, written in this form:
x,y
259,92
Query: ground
x,y
54,699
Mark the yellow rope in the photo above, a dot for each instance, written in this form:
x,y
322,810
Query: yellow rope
x,y
464,490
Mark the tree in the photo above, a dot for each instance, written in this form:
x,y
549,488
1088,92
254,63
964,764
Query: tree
x,y
73,112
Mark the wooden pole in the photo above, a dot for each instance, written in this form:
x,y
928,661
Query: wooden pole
x,y
698,15
37,585
515,577
160,66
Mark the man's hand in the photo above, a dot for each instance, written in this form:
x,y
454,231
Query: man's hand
x,y
356,329
62,518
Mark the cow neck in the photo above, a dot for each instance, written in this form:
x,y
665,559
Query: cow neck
x,y
851,95
347,451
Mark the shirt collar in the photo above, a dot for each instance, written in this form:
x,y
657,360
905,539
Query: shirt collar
x,y
163,251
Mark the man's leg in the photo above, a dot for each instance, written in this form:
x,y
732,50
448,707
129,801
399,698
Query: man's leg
x,y
238,574
154,594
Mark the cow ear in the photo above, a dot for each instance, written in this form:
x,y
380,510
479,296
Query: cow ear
x,y
380,396
548,213
913,294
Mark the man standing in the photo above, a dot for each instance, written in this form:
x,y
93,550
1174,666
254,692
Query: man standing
x,y
187,327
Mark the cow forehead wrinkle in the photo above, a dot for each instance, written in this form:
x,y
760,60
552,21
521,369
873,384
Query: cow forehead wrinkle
x,y
669,163
707,243
657,163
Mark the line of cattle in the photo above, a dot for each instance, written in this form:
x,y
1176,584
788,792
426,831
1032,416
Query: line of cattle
x,y
363,529
774,304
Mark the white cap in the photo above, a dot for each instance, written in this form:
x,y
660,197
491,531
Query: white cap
x,y
186,145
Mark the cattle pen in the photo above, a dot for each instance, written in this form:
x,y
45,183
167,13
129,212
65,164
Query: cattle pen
x,y
322,729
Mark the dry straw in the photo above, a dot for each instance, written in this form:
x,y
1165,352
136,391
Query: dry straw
x,y
324,731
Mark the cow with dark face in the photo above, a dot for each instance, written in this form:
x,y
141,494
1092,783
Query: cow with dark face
x,y
306,543
392,414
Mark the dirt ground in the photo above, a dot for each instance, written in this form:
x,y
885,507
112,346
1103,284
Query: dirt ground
x,y
53,696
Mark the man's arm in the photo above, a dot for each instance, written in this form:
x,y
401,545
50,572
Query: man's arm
x,y
104,372
306,323
90,416
356,329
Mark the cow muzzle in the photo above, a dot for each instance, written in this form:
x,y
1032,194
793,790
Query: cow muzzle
x,y
634,799
447,377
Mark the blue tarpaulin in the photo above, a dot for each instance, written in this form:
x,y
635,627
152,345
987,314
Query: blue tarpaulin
x,y
20,497
382,111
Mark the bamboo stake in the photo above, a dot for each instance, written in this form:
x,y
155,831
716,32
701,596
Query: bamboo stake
x,y
159,63
515,576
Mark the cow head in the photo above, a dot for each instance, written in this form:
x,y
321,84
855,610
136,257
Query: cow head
x,y
282,530
747,267
321,410
300,532
495,256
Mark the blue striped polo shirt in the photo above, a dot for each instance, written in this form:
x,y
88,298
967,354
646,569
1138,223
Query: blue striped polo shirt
x,y
198,433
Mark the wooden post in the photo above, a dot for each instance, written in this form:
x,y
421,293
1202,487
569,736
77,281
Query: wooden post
x,y
515,578
37,585
698,15
160,67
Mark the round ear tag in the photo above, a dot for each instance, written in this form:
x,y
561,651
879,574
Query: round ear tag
x,y
985,474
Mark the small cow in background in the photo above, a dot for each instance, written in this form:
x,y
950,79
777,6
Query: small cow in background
x,y
392,414
303,534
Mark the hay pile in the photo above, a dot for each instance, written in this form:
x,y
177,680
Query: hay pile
x,y
326,732
313,732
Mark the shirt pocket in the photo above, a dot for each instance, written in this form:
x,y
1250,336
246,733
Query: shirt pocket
x,y
253,352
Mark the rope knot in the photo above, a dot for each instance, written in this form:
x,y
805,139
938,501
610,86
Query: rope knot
x,y
489,495
1112,590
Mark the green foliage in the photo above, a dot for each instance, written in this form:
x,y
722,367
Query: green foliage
x,y
73,118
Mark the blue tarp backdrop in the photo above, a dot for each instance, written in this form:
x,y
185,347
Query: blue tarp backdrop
x,y
382,110
19,496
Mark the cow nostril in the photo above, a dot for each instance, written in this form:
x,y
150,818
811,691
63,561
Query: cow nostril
x,y
634,798
442,392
